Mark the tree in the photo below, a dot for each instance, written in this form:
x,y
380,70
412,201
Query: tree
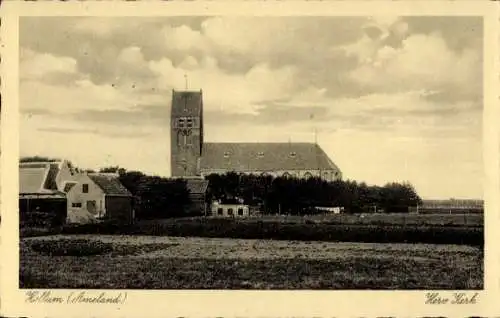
x,y
161,197
37,159
132,180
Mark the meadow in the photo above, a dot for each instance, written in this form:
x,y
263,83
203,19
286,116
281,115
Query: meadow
x,y
163,262
443,219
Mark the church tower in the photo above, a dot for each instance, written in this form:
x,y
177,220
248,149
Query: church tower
x,y
186,131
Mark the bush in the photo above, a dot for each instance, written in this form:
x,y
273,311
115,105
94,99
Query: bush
x,y
67,247
37,231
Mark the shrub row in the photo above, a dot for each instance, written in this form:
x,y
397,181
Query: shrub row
x,y
256,229
71,247
39,219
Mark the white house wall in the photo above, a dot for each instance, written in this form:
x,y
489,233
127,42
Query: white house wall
x,y
76,195
225,210
65,175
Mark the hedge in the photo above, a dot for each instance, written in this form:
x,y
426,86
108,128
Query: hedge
x,y
71,247
256,229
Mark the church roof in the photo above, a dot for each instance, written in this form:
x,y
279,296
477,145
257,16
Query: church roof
x,y
264,157
186,103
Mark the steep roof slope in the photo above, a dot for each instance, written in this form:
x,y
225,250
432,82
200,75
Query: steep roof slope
x,y
110,184
186,103
32,179
196,186
265,157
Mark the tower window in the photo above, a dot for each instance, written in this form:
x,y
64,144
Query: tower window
x,y
293,154
181,123
260,155
189,123
226,154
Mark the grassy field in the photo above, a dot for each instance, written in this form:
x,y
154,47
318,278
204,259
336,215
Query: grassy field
x,y
161,262
383,219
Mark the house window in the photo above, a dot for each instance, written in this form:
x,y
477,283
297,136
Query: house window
x,y
85,188
220,211
76,205
240,211
230,211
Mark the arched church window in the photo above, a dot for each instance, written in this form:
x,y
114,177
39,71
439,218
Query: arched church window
x,y
287,175
326,175
189,139
307,175
180,138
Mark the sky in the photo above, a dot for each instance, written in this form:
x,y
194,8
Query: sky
x,y
391,99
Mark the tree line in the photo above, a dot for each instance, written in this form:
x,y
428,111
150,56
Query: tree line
x,y
156,197
301,196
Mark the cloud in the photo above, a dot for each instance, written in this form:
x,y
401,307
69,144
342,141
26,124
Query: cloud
x,y
37,66
229,92
423,61
387,96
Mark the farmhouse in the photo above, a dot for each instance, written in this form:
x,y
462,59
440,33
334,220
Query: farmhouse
x,y
192,156
41,196
96,196
56,190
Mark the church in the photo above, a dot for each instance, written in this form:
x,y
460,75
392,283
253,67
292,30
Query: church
x,y
192,157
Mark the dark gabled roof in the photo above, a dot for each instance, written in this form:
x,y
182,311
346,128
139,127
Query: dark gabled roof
x,y
69,185
186,103
262,157
50,181
196,186
110,184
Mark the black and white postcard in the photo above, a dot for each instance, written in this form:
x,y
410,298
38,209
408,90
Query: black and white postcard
x,y
250,159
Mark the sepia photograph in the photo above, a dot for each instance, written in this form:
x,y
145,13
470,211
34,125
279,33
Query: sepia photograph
x,y
264,153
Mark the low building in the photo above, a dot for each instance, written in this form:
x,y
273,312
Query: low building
x,y
230,209
98,196
41,201
449,206
330,210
